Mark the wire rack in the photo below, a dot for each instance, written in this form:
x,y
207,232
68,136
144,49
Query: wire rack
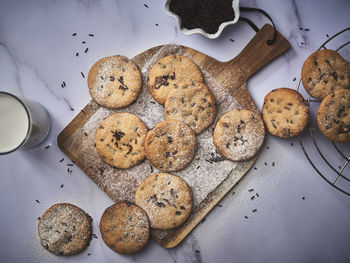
x,y
329,159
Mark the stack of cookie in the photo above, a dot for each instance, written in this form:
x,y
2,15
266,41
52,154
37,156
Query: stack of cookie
x,y
163,200
325,76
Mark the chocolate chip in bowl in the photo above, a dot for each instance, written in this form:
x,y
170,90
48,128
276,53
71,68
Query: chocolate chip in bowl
x,y
206,17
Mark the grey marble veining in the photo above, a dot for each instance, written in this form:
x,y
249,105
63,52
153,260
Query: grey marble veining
x,y
38,53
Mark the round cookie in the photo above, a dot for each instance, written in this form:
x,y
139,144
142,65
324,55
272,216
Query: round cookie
x,y
170,145
169,71
333,116
285,112
239,135
120,140
125,228
64,229
166,198
114,82
192,103
323,72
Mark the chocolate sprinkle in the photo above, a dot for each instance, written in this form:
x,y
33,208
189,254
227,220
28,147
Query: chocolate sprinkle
x,y
145,5
82,74
77,54
74,34
47,147
62,160
36,200
86,50
91,35
62,185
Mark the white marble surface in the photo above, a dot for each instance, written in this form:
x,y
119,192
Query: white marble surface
x,y
37,53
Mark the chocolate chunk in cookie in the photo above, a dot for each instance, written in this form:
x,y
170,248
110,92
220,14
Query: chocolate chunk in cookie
x,y
285,112
114,82
333,116
238,135
170,145
120,140
170,71
324,72
125,228
192,103
166,198
64,229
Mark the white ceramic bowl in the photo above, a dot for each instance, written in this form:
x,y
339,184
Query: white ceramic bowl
x,y
235,6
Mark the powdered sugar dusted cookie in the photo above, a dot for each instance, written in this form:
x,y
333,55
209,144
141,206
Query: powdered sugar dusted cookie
x,y
64,229
169,71
333,116
120,140
166,198
285,112
125,228
192,103
114,82
323,72
239,134
170,145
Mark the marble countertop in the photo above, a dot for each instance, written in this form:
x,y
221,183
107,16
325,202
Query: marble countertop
x,y
299,217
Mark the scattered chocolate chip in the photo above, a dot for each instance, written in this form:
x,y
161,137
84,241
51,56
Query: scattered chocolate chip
x,y
157,25
303,198
62,185
77,54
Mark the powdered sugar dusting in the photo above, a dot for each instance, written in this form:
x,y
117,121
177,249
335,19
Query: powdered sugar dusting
x,y
206,171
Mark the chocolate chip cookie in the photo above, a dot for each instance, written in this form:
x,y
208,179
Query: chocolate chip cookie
x,y
333,116
166,198
169,71
120,140
239,135
324,72
285,112
170,145
64,229
125,228
114,82
192,103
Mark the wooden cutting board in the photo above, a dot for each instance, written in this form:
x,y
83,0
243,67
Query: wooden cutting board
x,y
227,80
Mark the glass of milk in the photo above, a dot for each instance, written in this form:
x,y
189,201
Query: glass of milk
x,y
23,123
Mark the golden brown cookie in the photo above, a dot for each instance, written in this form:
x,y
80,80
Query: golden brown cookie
x,y
125,228
323,72
239,135
170,145
285,112
64,229
333,116
170,71
192,103
120,140
114,82
166,198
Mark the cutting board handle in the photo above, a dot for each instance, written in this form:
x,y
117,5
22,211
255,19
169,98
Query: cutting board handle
x,y
258,53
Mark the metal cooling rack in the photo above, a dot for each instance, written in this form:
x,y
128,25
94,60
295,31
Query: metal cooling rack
x,y
332,158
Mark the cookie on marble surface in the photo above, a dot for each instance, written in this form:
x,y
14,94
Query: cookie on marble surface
x,y
239,135
170,145
125,228
170,71
192,103
120,140
333,116
166,198
285,112
64,229
114,82
323,72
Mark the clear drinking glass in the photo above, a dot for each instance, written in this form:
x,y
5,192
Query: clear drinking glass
x,y
23,123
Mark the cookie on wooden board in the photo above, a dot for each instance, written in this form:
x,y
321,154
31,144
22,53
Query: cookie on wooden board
x,y
168,72
170,145
120,140
239,135
333,116
285,112
125,228
64,229
192,103
166,198
323,72
114,82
